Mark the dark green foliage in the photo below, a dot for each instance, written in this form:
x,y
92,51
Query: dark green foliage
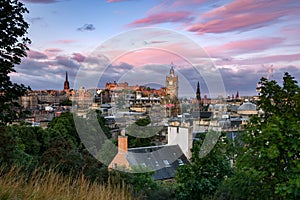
x,y
101,122
58,147
63,126
143,121
12,150
13,46
139,134
67,153
66,102
144,186
202,178
268,166
134,142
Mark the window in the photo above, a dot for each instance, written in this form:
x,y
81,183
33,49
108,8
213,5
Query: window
x,y
166,162
180,162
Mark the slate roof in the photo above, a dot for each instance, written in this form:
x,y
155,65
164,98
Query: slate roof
x,y
164,160
202,114
235,122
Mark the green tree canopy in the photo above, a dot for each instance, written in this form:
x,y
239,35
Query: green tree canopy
x,y
268,166
140,134
13,46
202,177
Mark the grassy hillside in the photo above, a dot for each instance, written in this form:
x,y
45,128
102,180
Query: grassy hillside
x,y
14,184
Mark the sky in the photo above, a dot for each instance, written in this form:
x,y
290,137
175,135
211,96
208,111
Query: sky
x,y
227,45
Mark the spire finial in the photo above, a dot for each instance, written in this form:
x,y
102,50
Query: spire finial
x,y
66,76
66,83
172,69
198,94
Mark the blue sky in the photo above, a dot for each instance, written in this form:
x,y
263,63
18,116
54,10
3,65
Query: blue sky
x,y
242,38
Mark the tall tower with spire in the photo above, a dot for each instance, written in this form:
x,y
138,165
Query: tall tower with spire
x,y
66,83
237,96
198,97
171,101
172,83
198,94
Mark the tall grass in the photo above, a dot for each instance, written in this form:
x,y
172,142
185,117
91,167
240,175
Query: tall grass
x,y
14,184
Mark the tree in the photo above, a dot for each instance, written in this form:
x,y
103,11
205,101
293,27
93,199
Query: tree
x,y
63,126
268,166
66,102
142,182
202,177
13,149
140,134
13,46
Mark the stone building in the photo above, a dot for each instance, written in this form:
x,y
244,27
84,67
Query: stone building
x,y
171,101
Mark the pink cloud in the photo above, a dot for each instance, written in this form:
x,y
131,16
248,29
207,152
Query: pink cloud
x,y
241,22
65,41
292,31
180,53
244,46
164,17
174,5
187,3
244,6
36,55
149,56
243,15
51,52
78,57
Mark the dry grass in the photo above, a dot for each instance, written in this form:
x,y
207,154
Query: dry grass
x,y
50,185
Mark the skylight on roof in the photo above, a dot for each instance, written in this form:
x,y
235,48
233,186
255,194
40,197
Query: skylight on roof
x,y
166,162
180,162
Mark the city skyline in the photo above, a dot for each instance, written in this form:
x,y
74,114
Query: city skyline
x,y
242,38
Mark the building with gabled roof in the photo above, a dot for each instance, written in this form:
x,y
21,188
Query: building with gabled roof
x,y
163,160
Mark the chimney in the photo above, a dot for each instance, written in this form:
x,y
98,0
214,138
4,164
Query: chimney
x,y
122,144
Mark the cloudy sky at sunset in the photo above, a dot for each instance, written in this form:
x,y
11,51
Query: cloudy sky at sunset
x,y
237,39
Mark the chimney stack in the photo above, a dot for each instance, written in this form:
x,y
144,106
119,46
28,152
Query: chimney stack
x,y
122,144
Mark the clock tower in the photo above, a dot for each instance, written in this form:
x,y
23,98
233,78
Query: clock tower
x,y
172,83
171,100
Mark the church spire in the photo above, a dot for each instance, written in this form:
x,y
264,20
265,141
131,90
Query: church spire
x,y
198,94
198,97
66,83
237,96
66,76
